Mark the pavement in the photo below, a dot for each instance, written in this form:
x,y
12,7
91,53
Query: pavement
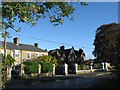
x,y
60,81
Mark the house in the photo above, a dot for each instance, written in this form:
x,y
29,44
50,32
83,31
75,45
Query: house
x,y
69,56
22,52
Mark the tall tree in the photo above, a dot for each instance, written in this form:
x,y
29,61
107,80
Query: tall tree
x,y
30,12
107,44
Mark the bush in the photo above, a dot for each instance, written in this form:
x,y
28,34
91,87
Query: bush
x,y
47,67
97,66
83,67
31,67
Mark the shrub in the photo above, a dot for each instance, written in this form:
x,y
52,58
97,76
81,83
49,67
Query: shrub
x,y
47,67
97,66
83,67
31,67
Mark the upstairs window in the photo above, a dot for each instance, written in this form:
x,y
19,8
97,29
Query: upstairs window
x,y
28,55
16,54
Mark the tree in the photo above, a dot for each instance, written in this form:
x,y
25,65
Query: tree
x,y
107,44
47,59
30,12
9,60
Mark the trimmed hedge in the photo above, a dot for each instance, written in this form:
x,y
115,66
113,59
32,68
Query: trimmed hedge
x,y
97,66
31,67
83,67
47,67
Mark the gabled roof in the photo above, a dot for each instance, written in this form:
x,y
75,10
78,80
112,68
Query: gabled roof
x,y
27,47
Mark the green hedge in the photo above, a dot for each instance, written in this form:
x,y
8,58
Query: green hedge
x,y
83,67
31,67
97,66
47,67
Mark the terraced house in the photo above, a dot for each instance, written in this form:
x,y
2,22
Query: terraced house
x,y
22,52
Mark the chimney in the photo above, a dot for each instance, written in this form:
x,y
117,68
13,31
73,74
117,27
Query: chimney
x,y
36,44
16,40
62,47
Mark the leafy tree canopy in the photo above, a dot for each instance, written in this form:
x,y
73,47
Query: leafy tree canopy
x,y
107,44
9,60
47,59
30,12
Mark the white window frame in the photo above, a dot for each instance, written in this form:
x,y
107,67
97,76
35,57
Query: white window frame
x,y
17,52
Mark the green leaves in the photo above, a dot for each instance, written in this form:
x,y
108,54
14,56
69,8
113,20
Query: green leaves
x,y
31,67
49,58
9,60
106,43
30,12
5,35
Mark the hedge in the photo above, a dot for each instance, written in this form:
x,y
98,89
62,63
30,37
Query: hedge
x,y
31,67
47,67
83,67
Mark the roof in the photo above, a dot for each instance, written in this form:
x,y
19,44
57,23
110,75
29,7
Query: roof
x,y
27,47
65,51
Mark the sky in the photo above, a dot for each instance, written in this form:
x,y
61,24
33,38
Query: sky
x,y
79,32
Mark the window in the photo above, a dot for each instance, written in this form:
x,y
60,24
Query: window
x,y
13,53
28,55
16,54
36,55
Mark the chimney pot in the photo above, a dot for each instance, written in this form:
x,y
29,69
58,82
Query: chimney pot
x,y
36,44
62,47
16,40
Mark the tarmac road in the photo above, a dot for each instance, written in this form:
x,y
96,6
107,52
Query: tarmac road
x,y
76,81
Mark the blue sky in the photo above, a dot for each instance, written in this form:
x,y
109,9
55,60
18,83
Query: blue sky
x,y
79,32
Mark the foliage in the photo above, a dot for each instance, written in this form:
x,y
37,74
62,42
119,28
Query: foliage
x,y
47,59
47,67
97,66
31,67
9,60
30,12
83,67
47,63
107,44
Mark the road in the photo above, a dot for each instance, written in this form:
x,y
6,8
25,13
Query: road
x,y
76,81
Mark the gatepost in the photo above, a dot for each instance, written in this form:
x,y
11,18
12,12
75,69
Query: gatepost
x,y
66,69
106,66
91,67
53,69
9,69
76,68
103,66
39,69
22,70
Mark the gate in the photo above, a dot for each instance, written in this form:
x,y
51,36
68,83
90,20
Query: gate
x,y
15,72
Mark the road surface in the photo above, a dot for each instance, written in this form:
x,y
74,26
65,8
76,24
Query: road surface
x,y
76,81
